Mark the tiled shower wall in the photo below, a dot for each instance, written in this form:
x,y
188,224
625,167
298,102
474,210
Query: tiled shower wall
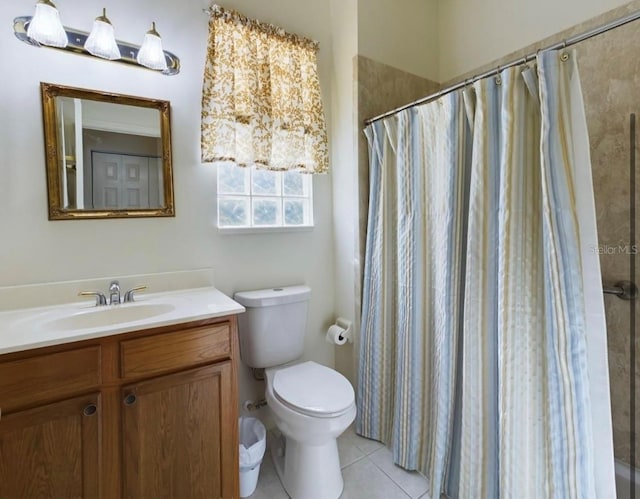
x,y
610,75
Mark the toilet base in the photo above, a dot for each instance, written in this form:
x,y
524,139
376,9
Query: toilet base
x,y
308,471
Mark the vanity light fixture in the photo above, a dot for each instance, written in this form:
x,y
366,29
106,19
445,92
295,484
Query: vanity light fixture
x,y
102,39
45,26
151,54
45,29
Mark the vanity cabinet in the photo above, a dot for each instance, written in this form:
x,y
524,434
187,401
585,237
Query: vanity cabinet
x,y
142,414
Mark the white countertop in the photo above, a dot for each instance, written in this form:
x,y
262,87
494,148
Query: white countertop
x,y
30,328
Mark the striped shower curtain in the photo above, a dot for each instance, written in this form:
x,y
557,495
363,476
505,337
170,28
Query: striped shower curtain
x,y
473,353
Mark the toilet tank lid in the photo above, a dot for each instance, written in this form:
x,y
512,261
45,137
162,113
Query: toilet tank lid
x,y
273,296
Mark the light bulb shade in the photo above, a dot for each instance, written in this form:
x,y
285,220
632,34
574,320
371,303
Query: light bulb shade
x,y
45,26
102,41
151,54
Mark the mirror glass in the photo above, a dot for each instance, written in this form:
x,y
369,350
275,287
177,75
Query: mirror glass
x,y
108,155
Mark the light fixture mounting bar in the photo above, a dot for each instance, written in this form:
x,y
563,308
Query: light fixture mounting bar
x,y
77,39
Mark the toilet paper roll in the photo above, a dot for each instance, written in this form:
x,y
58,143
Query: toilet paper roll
x,y
336,335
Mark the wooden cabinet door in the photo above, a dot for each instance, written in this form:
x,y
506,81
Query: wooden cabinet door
x,y
180,435
52,450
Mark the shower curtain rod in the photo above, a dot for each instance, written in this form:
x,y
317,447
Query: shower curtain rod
x,y
522,60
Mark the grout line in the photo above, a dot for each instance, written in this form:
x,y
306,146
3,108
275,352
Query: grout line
x,y
360,458
378,467
380,444
397,484
368,453
392,480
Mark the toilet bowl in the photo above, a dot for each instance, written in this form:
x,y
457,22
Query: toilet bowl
x,y
312,406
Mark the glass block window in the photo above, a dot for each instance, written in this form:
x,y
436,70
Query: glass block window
x,y
252,198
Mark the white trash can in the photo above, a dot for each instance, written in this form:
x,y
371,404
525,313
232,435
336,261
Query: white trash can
x,y
253,441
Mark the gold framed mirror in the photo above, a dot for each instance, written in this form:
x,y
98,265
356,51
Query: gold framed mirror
x,y
107,155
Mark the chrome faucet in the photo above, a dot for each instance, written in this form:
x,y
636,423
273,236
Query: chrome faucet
x,y
114,293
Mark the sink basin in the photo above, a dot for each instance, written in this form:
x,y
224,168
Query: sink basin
x,y
104,316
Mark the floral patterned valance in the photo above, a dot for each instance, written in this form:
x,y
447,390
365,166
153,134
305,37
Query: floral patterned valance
x,y
261,102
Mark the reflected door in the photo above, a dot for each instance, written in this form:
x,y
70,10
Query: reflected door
x,y
122,181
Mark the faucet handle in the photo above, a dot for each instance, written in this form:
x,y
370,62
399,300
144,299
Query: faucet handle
x,y
128,296
100,298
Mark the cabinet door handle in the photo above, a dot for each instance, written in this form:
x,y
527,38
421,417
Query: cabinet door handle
x,y
90,410
130,399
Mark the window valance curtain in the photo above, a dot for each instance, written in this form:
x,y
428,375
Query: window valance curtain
x,y
261,102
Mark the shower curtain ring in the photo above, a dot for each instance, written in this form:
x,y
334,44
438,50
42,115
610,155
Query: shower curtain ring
x,y
564,55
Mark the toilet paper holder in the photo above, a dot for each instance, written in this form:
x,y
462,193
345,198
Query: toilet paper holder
x,y
348,329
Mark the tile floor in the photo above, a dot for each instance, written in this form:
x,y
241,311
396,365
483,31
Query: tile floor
x,y
367,469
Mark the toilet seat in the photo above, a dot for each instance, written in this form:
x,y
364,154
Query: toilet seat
x,y
313,389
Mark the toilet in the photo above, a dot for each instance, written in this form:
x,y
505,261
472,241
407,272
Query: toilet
x,y
312,404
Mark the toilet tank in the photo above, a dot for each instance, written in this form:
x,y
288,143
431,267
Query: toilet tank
x,y
272,329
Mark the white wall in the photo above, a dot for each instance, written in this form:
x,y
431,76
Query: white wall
x,y
344,22
35,250
401,33
472,33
